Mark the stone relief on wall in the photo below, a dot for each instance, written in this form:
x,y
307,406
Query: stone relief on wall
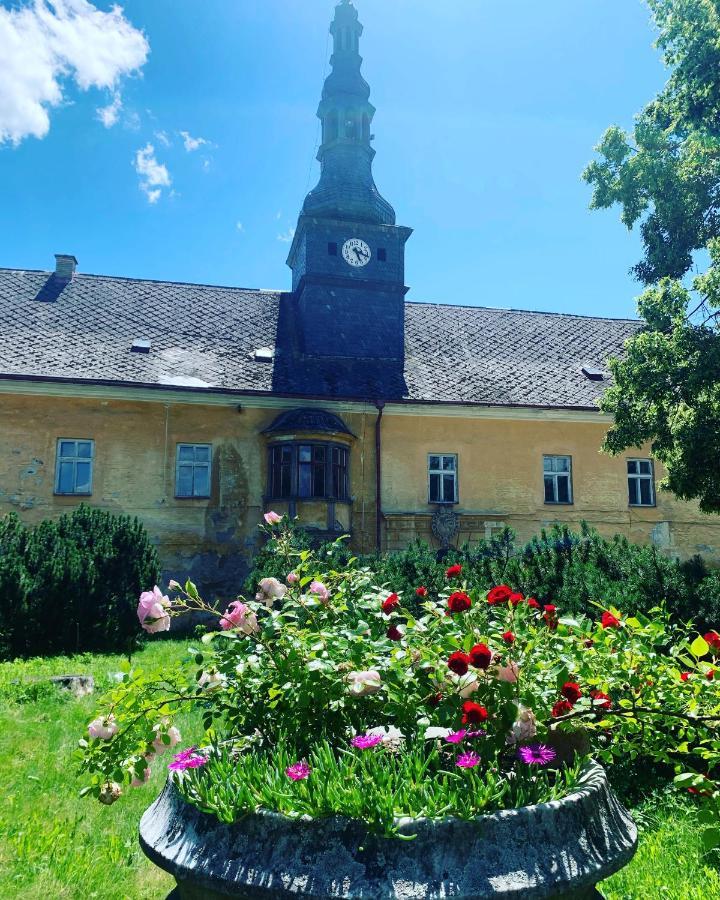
x,y
445,526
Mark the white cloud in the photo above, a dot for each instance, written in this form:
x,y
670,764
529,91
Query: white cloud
x,y
163,138
153,175
191,143
240,227
48,43
287,237
110,114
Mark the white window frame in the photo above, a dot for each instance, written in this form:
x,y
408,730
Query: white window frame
x,y
74,459
638,476
442,472
195,465
555,477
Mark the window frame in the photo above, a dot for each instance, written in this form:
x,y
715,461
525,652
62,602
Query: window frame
x,y
637,476
74,459
443,472
195,464
554,475
330,448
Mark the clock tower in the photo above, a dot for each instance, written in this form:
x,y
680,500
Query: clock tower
x,y
348,254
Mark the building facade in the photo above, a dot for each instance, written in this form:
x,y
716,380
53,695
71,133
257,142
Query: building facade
x,y
198,407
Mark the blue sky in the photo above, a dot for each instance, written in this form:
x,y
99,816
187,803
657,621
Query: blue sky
x,y
488,111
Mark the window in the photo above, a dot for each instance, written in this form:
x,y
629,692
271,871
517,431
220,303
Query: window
x,y
332,249
442,478
558,479
192,470
309,471
74,469
641,482
382,254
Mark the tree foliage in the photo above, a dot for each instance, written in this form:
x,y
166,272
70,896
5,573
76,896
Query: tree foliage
x,y
665,176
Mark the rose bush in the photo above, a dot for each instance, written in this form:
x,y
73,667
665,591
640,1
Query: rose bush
x,y
326,684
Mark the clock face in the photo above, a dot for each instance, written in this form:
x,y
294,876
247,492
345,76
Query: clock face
x,y
356,252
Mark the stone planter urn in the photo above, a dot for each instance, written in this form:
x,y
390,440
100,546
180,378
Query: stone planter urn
x,y
557,849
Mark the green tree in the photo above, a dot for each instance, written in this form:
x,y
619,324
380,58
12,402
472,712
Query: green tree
x,y
665,175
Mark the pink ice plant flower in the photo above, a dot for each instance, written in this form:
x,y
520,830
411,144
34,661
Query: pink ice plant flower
x,y
298,771
272,518
467,760
457,737
153,611
537,755
103,728
238,615
320,591
187,759
366,741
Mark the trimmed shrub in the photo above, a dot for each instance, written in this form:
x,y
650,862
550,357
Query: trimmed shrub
x,y
72,585
574,570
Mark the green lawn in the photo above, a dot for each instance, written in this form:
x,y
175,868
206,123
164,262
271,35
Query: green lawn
x,y
54,845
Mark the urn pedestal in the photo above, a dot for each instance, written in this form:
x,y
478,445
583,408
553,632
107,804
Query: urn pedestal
x,y
559,849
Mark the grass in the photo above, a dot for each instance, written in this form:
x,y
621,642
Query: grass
x,y
55,845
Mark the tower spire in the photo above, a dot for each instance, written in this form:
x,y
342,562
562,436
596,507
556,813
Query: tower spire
x,y
346,189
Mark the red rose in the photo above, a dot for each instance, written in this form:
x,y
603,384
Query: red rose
x,y
421,592
549,609
453,571
684,676
710,675
473,713
394,633
434,700
459,662
481,656
499,594
459,602
571,691
601,700
609,621
713,638
561,708
515,599
509,637
391,604
532,603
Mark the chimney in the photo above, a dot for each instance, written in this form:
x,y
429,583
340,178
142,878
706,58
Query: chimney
x,y
65,266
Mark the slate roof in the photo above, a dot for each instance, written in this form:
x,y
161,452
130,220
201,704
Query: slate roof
x,y
203,337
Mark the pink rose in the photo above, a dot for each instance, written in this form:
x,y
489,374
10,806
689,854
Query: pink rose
x,y
292,578
238,615
271,587
524,728
152,611
103,728
362,683
320,591
137,782
272,518
159,744
507,673
174,585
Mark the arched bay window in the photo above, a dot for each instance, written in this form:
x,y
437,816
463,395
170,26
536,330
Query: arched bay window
x,y
309,461
308,470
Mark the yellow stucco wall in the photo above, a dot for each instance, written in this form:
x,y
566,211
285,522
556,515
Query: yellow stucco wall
x,y
500,477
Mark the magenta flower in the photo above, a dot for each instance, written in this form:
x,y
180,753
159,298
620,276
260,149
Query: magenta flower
x,y
456,737
467,760
366,741
537,754
187,759
298,771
